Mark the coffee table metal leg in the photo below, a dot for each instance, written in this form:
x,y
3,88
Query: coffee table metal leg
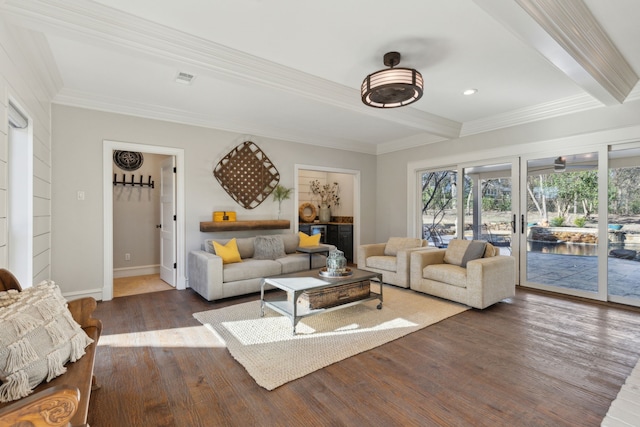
x,y
294,310
262,298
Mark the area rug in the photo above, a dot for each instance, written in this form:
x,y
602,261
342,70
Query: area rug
x,y
273,356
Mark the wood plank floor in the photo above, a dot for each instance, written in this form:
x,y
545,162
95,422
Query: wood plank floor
x,y
534,360
125,286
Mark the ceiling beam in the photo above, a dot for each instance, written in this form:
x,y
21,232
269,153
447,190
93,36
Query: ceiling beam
x,y
567,34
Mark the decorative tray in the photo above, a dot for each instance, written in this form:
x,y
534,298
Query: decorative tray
x,y
324,273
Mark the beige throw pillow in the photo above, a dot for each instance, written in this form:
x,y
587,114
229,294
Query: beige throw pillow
x,y
38,337
455,251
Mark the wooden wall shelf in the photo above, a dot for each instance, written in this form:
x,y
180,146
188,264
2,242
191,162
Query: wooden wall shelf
x,y
267,224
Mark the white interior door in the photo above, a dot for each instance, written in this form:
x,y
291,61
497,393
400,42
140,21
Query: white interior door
x,y
168,218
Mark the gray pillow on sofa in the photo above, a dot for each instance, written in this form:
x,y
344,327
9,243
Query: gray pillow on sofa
x,y
475,250
268,247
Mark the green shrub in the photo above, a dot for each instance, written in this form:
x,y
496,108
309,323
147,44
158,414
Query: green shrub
x,y
580,221
557,221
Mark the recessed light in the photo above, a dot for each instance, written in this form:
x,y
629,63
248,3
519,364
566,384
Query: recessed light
x,y
470,92
184,78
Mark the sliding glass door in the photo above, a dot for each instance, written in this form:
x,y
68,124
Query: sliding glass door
x,y
571,219
623,227
489,213
560,224
439,206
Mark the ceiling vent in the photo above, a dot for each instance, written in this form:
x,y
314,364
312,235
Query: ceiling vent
x,y
184,78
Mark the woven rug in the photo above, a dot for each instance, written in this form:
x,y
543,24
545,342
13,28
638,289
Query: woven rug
x,y
273,356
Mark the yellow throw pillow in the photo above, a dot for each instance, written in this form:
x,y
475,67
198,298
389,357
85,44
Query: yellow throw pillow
x,y
229,252
306,240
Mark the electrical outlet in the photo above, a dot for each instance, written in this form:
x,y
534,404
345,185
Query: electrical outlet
x,y
127,257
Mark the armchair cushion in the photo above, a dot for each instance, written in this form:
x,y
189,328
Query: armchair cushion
x,y
447,273
395,244
388,263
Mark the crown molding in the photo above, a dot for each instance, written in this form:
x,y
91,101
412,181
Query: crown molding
x,y
103,25
409,142
535,113
90,101
36,48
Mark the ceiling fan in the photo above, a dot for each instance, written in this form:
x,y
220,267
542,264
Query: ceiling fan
x,y
560,165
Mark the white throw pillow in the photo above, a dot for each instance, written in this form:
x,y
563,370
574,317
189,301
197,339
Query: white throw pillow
x,y
38,336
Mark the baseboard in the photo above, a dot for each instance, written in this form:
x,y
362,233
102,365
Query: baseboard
x,y
141,270
95,293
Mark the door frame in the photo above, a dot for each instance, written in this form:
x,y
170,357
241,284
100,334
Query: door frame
x,y
107,175
356,197
168,166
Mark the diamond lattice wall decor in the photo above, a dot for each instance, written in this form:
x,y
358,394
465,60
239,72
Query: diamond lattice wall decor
x,y
247,175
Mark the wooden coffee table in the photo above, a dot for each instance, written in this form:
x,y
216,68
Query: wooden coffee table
x,y
295,284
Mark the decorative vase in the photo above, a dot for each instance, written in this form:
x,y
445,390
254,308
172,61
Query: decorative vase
x,y
336,263
325,213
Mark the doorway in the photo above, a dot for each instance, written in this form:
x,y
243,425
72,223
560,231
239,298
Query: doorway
x,y
139,228
179,246
349,183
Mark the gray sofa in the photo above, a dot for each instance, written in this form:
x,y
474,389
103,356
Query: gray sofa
x,y
214,280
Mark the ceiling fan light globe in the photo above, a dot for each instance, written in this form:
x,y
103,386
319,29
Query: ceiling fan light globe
x,y
391,88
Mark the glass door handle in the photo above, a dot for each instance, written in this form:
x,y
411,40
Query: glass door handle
x,y
513,224
522,225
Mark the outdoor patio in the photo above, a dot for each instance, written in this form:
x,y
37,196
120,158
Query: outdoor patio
x,y
581,272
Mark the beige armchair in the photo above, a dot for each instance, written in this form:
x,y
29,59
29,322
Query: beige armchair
x,y
390,259
469,272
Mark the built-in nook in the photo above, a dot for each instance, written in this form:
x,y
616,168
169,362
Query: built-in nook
x,y
339,229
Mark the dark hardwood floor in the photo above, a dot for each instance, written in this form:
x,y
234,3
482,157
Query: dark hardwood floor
x,y
534,360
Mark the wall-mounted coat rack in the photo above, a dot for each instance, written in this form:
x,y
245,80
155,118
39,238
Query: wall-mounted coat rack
x,y
132,182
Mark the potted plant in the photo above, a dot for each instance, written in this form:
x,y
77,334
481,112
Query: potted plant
x,y
281,193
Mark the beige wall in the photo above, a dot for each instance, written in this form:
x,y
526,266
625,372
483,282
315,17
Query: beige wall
x,y
78,136
22,82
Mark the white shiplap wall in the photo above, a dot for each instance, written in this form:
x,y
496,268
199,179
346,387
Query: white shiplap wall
x,y
345,182
4,125
31,83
